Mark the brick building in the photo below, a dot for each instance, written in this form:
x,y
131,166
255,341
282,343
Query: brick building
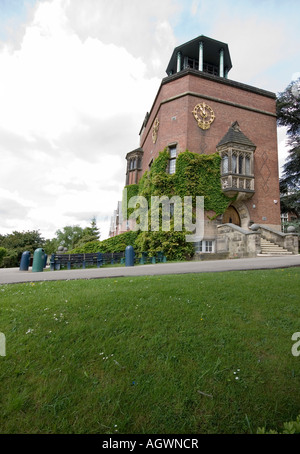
x,y
198,108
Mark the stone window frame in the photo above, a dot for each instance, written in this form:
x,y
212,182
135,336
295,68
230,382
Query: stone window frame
x,y
172,158
233,157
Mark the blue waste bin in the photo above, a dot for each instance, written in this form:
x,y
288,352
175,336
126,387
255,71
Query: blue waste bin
x,y
25,259
129,256
38,260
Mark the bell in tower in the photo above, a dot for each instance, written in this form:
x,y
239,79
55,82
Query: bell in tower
x,y
201,54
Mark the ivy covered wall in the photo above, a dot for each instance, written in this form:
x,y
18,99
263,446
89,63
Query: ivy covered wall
x,y
196,175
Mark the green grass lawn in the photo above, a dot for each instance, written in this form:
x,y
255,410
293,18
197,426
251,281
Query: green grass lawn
x,y
184,354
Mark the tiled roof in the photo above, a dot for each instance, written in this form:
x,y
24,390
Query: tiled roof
x,y
235,135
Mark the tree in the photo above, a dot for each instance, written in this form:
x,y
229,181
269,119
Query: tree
x,y
3,253
51,246
16,243
288,115
69,236
91,233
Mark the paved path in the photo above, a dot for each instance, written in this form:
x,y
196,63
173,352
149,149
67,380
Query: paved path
x,y
14,275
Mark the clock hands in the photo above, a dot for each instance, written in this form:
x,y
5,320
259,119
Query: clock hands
x,y
204,115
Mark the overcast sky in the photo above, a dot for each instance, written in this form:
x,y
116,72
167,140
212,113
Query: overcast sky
x,y
78,76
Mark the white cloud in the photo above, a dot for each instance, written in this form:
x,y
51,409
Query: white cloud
x,y
135,24
75,83
70,111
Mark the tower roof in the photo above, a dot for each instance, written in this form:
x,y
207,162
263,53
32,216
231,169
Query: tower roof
x,y
235,135
211,49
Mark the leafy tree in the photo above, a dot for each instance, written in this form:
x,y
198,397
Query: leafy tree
x,y
29,240
3,253
17,242
288,115
51,246
91,233
69,236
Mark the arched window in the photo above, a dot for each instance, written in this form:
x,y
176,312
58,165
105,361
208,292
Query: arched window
x,y
225,166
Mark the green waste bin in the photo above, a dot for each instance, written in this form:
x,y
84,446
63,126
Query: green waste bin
x,y
38,260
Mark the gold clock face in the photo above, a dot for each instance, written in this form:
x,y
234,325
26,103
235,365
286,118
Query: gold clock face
x,y
204,115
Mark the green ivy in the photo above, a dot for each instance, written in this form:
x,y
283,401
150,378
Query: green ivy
x,y
132,191
199,175
196,175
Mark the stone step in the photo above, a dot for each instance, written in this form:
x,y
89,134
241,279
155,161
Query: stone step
x,y
271,248
268,249
275,247
276,252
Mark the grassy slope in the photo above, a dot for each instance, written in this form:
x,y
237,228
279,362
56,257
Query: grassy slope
x,y
131,354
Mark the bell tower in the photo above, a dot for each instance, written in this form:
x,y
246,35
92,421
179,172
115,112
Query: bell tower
x,y
202,54
200,109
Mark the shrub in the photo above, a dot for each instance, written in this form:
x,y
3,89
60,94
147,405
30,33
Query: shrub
x,y
3,253
114,244
11,259
173,244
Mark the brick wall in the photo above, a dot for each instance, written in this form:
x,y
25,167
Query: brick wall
x,y
254,110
